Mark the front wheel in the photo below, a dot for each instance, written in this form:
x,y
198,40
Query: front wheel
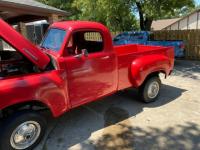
x,y
149,91
22,131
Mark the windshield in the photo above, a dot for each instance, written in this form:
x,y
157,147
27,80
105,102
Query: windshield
x,y
54,39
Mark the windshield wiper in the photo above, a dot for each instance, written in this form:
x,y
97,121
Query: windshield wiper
x,y
44,47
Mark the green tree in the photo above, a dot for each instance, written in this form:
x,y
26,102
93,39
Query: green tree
x,y
150,10
120,15
64,5
116,14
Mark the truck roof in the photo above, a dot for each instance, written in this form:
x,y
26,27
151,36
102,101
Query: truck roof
x,y
65,25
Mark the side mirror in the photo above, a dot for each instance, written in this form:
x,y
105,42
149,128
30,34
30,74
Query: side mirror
x,y
84,52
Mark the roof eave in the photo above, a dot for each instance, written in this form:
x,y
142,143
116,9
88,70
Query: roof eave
x,y
45,10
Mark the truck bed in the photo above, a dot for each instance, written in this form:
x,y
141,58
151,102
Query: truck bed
x,y
135,48
127,54
145,38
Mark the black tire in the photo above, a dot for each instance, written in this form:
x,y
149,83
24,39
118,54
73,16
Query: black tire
x,y
11,123
143,90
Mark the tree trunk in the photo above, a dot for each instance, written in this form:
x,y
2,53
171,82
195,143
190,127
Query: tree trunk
x,y
141,14
147,23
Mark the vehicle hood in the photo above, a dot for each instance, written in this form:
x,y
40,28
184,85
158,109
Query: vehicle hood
x,y
21,44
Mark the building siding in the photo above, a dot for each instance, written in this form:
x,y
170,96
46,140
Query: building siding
x,y
198,20
183,24
192,21
174,26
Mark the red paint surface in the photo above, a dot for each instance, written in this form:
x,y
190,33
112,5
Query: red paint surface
x,y
81,80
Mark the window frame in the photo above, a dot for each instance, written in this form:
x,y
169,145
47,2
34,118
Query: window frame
x,y
85,30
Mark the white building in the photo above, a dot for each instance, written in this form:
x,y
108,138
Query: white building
x,y
191,21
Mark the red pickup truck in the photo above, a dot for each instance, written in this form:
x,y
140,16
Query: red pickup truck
x,y
67,70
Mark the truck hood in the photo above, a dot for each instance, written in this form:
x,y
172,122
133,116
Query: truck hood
x,y
22,45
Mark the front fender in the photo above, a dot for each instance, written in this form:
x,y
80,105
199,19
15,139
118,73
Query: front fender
x,y
47,88
144,66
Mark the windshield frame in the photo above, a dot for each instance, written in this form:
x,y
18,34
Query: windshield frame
x,y
46,35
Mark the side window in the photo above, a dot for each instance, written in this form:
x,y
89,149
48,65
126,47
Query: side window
x,y
91,41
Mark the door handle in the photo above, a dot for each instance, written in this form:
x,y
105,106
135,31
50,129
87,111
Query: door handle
x,y
105,57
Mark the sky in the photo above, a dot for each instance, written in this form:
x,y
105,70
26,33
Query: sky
x,y
197,2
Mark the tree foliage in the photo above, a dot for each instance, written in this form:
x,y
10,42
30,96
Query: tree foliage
x,y
150,10
116,14
121,15
63,5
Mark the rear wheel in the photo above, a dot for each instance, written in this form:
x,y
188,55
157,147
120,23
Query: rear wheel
x,y
22,131
149,91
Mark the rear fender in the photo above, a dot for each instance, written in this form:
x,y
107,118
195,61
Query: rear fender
x,y
146,65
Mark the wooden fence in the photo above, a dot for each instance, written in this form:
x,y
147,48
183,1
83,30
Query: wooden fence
x,y
190,37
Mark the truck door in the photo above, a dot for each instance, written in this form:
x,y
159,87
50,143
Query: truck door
x,y
91,67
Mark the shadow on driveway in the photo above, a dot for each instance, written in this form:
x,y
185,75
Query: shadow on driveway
x,y
190,69
77,125
179,137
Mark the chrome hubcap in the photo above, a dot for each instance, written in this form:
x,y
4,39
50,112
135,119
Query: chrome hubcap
x,y
25,135
153,90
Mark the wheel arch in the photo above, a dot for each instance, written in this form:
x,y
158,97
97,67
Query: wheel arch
x,y
154,74
147,66
25,106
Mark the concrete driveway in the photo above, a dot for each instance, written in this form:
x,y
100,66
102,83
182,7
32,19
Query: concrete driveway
x,y
122,122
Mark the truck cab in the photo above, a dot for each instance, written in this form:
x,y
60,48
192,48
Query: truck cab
x,y
90,64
